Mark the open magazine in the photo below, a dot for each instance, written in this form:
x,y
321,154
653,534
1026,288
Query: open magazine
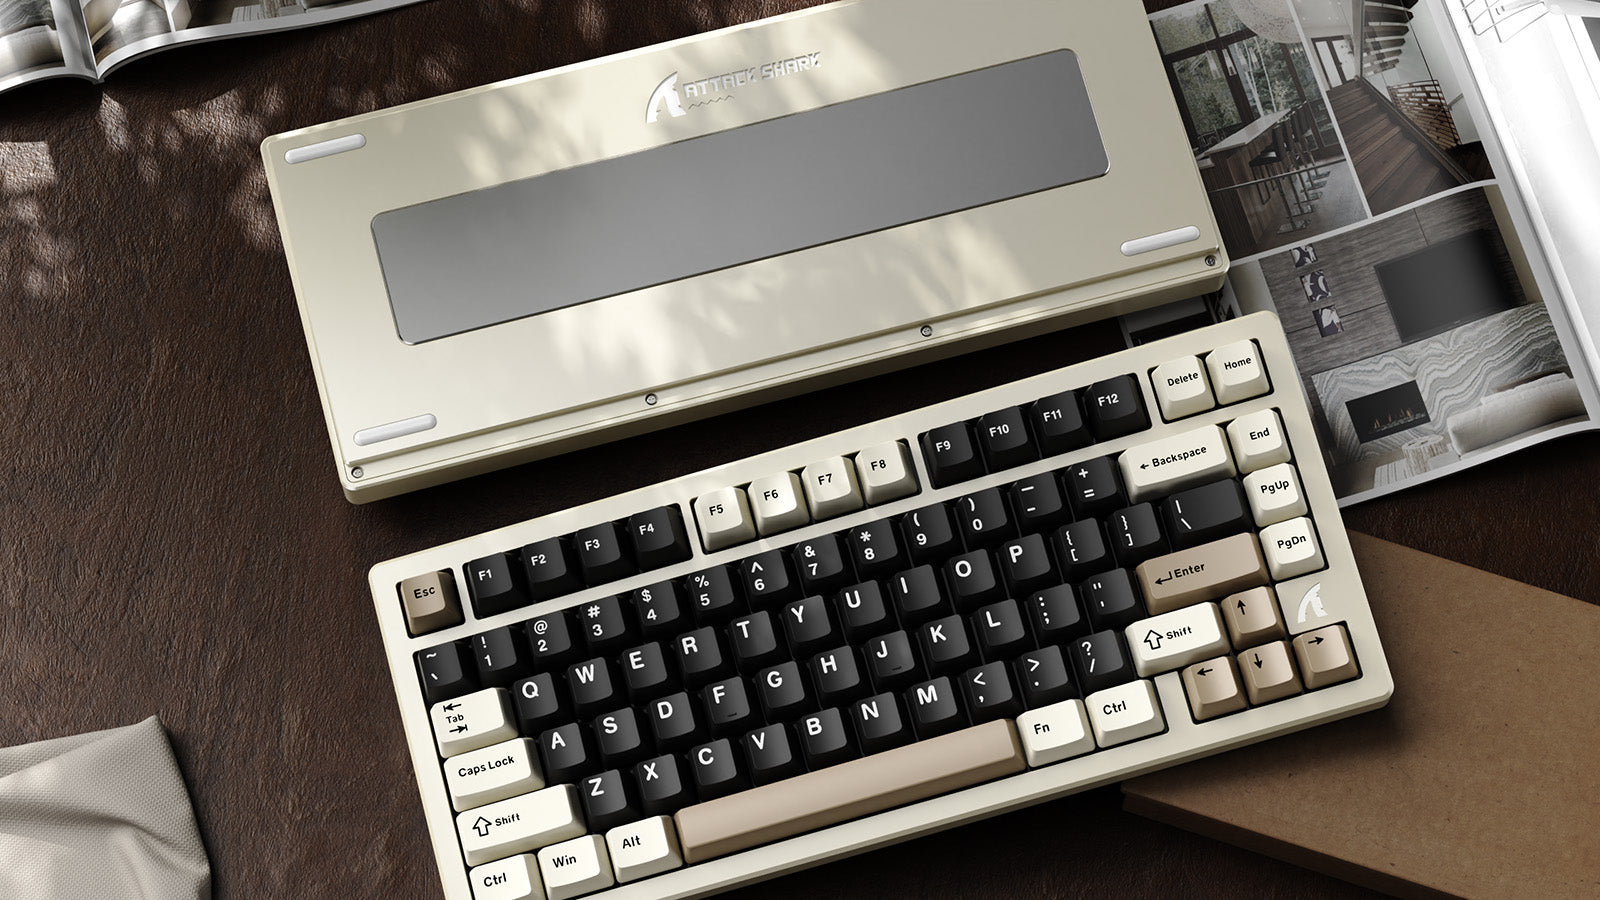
x,y
1395,179
90,38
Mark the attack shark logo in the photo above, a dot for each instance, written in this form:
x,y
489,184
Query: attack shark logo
x,y
669,95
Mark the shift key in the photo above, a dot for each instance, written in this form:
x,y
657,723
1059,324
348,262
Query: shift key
x,y
1202,573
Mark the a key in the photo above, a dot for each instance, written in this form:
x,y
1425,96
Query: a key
x,y
520,824
1258,441
662,788
1182,388
1081,550
768,579
1325,657
1125,713
771,754
658,537
1058,424
1115,407
494,585
1111,599
951,455
826,739
1003,437
879,725
1275,495
930,533
782,692
1207,572
945,645
989,693
820,564
1213,688
607,800
565,754
493,773
472,722
1236,372
891,662
831,488
1043,677
659,609
1092,487
551,640
1001,629
701,657
500,655
777,503
1025,564
607,624
551,568
1252,617
717,770
874,549
1135,534
1291,549
1205,513
727,705
1056,615
712,596
917,595
1173,463
576,867
973,581
512,878
837,676
1175,639
935,708
1268,674
1039,504
620,737
601,555
673,722
1100,660
885,473
644,848
538,704
863,612
430,602
724,517
445,672
755,641
983,518
1055,732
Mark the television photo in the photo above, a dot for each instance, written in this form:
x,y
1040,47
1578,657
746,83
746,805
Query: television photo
x,y
1444,285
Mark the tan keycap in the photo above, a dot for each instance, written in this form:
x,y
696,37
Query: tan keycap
x,y
848,791
1325,656
1252,617
1202,573
1213,688
430,602
1268,674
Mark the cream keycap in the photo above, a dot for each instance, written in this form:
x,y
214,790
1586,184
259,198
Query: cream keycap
x,y
1175,639
1125,713
1325,657
1258,440
886,473
1055,732
520,824
831,488
1236,372
644,848
1291,549
724,517
514,878
1213,688
1268,674
1201,573
1252,617
472,722
1182,388
1274,495
576,867
775,503
1173,463
495,772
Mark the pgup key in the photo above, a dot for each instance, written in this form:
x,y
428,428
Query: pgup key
x,y
1171,464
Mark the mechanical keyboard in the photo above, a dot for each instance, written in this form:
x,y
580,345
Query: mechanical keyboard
x,y
992,601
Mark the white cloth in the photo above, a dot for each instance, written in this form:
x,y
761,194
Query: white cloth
x,y
102,815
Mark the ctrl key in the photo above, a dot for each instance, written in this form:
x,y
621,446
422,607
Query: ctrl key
x,y
516,878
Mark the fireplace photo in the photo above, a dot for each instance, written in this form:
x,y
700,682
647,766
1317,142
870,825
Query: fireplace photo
x,y
1387,412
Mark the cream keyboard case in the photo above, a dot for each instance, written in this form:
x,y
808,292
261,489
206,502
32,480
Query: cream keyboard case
x,y
553,261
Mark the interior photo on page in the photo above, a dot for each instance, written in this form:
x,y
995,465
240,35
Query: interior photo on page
x,y
29,41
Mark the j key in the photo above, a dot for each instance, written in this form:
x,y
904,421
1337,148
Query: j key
x,y
551,567
917,595
1056,615
935,708
863,612
1115,407
593,686
538,704
837,676
659,609
890,661
1081,550
826,739
1001,629
565,755
1205,513
768,579
550,640
620,737
601,556
1039,503
1100,660
645,673
658,537
821,565
930,534
1135,534
989,693
500,656
878,723
808,626
945,645
755,641
983,518
1003,435
607,801
1112,600
782,692
973,581
717,770
662,788
728,706
1093,487
1058,424
772,755
1043,677
701,658
874,549
494,585
951,455
712,596
445,672
674,723
1026,565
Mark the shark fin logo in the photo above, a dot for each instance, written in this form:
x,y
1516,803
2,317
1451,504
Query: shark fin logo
x,y
666,92
1312,602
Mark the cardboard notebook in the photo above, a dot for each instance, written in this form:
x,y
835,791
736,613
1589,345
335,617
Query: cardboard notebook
x,y
1482,776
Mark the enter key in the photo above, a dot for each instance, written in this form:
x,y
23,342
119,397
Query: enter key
x,y
1207,572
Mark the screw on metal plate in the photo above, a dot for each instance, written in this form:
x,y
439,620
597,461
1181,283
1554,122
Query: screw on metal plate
x,y
927,331
356,472
1211,260
649,399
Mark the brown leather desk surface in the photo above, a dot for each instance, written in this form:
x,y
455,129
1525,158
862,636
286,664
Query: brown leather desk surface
x,y
173,540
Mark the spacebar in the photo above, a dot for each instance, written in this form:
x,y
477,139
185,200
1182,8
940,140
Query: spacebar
x,y
849,790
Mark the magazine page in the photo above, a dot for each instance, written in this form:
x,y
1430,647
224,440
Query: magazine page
x,y
1355,190
132,28
40,39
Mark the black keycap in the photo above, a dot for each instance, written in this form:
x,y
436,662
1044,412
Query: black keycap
x,y
593,686
607,801
1026,566
821,565
917,595
1001,630
658,537
673,722
1135,534
619,738
565,754
1081,550
874,549
973,581
1115,407
1100,661
782,691
494,585
551,568
934,708
1043,677
1038,502
983,518
878,723
755,641
862,612
607,625
1058,424
930,534
727,705
771,754
768,580
601,556
717,770
890,661
538,704
701,658
945,646
662,788
837,676
1003,435
659,609
1056,615
1112,599
500,655
807,626
951,455
1206,513
445,672
712,596
989,693
1093,487
646,674
825,739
